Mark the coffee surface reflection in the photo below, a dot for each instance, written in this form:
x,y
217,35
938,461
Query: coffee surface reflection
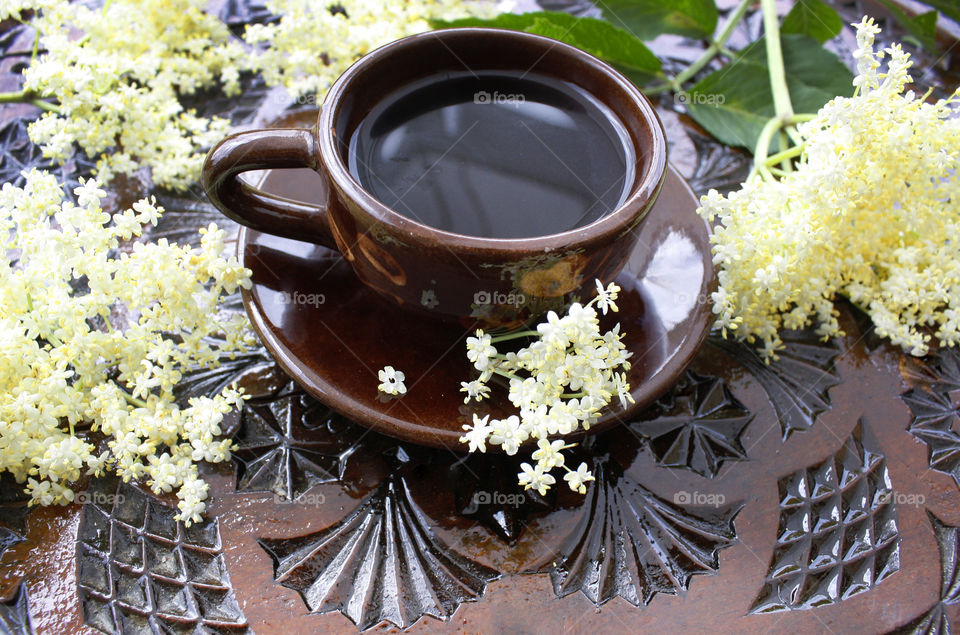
x,y
494,154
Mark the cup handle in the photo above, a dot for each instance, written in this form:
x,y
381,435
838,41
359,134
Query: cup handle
x,y
263,150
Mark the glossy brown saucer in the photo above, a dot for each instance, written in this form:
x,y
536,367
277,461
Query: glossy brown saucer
x,y
332,334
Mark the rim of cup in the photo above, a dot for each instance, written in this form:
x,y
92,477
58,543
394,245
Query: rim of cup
x,y
625,217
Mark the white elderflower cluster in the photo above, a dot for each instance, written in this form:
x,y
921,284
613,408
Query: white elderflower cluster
x,y
559,383
16,8
872,212
116,76
94,334
313,43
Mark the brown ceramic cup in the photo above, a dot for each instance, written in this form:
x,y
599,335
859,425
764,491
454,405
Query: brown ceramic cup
x,y
420,267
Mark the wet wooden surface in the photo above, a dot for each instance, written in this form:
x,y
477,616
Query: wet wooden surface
x,y
816,494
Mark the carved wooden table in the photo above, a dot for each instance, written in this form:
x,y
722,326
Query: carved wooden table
x,y
815,494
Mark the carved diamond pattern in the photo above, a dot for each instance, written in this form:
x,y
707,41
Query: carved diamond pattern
x,y
139,571
838,531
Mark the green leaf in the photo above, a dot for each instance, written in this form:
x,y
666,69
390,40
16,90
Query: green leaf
x,y
649,18
923,27
513,21
597,37
734,102
813,18
949,8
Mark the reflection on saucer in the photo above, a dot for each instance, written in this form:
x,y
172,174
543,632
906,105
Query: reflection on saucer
x,y
675,269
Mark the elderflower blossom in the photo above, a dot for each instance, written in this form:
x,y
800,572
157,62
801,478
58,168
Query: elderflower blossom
x,y
577,479
475,390
117,75
95,333
535,477
391,381
311,45
559,383
872,212
15,8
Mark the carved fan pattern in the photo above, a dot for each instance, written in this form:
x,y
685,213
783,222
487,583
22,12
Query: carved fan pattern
x,y
383,563
798,383
380,563
486,490
935,410
289,443
15,614
697,426
18,153
935,621
631,543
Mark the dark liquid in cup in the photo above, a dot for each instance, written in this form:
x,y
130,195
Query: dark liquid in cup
x,y
496,154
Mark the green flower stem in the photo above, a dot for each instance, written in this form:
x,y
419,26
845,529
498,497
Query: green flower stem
x,y
785,164
785,118
504,373
133,401
763,145
512,336
760,160
27,97
106,319
716,46
778,76
789,153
